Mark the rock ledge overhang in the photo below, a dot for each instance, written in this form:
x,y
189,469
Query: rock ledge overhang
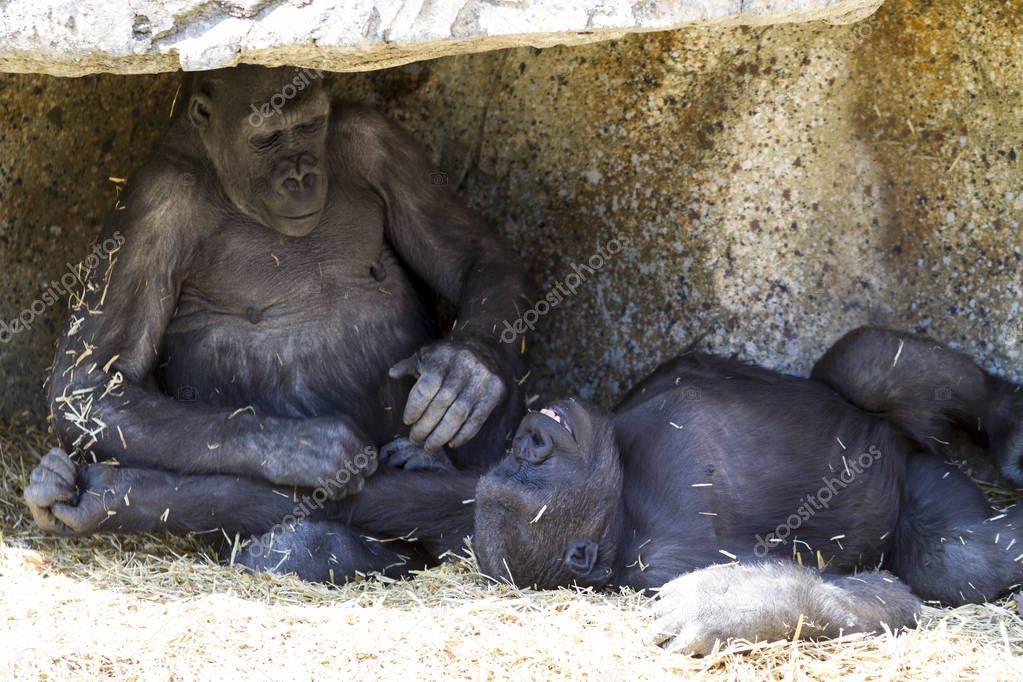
x,y
78,37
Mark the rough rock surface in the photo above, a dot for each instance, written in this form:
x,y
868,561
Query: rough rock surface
x,y
76,37
777,185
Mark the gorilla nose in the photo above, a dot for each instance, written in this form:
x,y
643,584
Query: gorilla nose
x,y
533,446
298,175
296,184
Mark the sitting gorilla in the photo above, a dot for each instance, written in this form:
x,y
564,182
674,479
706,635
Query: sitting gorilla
x,y
233,356
710,461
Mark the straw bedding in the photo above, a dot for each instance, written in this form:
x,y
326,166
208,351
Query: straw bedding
x,y
161,608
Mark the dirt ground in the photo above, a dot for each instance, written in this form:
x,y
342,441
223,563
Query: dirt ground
x,y
159,608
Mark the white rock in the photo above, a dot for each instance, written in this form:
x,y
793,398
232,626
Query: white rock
x,y
75,37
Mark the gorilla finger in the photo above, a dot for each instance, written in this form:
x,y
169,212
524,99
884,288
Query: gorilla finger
x,y
688,642
667,607
74,517
47,522
409,367
472,426
401,458
672,621
44,474
41,475
421,395
44,494
672,637
481,413
392,449
57,461
698,643
451,424
439,406
430,461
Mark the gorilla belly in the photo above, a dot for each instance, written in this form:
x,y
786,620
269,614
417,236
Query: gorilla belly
x,y
315,340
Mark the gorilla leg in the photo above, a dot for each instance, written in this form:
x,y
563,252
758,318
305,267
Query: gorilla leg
x,y
296,530
71,501
928,390
327,551
949,545
400,522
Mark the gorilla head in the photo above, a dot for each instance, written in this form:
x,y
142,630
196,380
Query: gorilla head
x,y
549,513
265,133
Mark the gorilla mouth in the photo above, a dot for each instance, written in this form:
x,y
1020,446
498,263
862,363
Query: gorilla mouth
x,y
558,416
301,217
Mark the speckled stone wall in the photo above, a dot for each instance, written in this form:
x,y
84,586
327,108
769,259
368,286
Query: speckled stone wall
x,y
763,190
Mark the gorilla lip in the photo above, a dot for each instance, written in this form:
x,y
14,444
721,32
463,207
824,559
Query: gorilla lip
x,y
556,414
301,217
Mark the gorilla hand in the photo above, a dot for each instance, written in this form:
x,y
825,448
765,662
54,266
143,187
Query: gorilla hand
x,y
64,502
453,397
401,453
329,454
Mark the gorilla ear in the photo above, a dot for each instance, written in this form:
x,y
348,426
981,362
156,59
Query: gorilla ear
x,y
200,110
581,556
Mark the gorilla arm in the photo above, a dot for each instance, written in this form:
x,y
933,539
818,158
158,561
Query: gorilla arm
x,y
465,377
99,391
769,601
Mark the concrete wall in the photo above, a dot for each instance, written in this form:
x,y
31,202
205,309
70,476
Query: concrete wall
x,y
771,187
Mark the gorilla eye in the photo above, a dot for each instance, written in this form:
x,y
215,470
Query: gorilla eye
x,y
311,127
265,141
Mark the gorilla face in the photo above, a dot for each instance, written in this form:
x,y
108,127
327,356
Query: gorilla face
x,y
285,160
548,513
265,132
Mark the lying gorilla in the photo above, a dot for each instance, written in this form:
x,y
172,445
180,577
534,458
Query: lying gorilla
x,y
710,461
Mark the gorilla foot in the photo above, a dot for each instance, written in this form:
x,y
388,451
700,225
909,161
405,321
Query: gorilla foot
x,y
323,551
774,601
698,610
66,502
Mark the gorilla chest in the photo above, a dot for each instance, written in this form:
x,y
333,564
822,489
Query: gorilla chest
x,y
297,325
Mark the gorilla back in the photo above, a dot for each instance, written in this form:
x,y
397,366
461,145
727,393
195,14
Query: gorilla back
x,y
768,466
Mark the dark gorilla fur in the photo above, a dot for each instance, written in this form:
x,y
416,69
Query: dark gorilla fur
x,y
268,323
711,461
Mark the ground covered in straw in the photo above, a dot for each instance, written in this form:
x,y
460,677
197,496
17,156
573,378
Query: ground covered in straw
x,y
160,608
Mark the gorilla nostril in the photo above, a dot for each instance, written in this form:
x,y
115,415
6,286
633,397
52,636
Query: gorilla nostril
x,y
291,185
543,446
533,447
